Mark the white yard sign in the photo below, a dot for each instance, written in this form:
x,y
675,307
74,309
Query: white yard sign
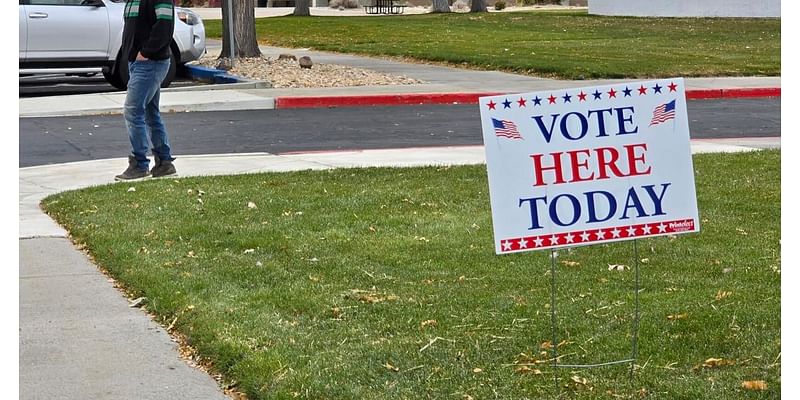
x,y
589,165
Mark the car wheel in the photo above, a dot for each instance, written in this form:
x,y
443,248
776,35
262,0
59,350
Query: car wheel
x,y
173,68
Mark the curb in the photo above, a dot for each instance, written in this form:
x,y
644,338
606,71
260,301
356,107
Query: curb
x,y
733,93
379,100
472,98
216,76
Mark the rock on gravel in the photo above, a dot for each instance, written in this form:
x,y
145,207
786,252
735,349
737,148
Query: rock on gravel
x,y
287,73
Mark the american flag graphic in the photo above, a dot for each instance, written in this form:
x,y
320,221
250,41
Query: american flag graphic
x,y
505,129
662,113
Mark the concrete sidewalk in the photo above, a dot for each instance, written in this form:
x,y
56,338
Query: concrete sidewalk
x,y
78,337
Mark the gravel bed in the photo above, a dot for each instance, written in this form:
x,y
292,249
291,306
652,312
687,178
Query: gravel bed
x,y
287,73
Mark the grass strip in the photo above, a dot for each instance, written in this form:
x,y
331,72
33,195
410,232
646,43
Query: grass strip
x,y
565,45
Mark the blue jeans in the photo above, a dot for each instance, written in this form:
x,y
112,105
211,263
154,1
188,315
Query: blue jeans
x,y
141,110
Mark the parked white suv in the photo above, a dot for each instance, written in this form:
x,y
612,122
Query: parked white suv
x,y
83,37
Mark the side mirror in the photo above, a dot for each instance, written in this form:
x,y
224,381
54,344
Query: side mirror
x,y
93,3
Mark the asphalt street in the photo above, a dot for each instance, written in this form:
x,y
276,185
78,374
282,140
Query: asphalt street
x,y
67,139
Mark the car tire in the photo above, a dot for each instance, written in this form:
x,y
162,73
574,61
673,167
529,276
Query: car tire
x,y
119,77
173,70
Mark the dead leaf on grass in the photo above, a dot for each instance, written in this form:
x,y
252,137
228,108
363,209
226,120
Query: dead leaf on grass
x,y
581,382
137,302
754,385
549,344
430,322
715,363
721,294
568,263
391,367
617,267
524,358
676,317
370,297
528,370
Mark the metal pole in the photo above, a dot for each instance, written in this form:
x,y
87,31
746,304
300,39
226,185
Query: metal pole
x,y
553,321
231,38
636,315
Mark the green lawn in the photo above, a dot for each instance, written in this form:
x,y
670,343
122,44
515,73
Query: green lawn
x,y
383,283
566,45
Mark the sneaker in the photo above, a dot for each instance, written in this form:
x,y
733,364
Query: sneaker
x,y
133,172
163,168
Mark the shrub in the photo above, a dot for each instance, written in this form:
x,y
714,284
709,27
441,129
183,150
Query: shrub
x,y
499,5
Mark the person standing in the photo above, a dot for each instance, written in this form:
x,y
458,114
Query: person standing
x,y
146,39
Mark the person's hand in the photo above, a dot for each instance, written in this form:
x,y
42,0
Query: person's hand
x,y
140,57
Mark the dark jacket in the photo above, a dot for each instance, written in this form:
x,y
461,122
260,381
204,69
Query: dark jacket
x,y
148,28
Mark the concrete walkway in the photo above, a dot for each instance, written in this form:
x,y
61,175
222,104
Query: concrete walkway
x,y
78,337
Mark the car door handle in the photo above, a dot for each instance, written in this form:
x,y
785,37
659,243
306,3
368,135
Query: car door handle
x,y
38,15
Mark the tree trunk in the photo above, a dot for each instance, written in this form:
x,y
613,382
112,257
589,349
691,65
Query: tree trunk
x,y
301,8
244,29
440,6
478,6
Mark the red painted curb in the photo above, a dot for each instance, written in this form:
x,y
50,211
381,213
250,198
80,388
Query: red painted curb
x,y
472,98
379,100
732,93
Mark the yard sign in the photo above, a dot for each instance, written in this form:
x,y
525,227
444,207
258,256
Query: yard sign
x,y
589,165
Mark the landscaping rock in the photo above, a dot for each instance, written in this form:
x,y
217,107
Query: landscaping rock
x,y
224,64
305,62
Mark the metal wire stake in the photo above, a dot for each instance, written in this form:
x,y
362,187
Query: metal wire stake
x,y
636,314
553,315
